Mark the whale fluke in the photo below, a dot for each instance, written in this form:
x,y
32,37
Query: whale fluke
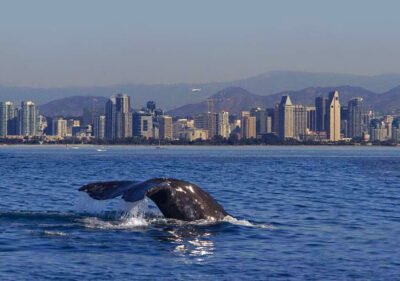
x,y
176,199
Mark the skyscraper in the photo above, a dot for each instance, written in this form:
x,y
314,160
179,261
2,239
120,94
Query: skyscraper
x,y
355,126
333,117
261,119
248,125
28,119
142,124
59,127
223,128
99,127
311,118
165,131
6,115
286,111
118,117
320,114
151,106
299,121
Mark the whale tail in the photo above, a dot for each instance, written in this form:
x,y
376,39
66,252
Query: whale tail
x,y
176,199
131,191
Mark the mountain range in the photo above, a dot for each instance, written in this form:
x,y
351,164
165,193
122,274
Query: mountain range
x,y
175,95
236,99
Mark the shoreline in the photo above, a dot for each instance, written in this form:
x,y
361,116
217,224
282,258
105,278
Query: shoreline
x,y
70,146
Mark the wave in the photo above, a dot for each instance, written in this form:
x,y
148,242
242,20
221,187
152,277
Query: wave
x,y
119,214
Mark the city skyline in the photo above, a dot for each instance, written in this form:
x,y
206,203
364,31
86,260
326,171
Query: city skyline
x,y
327,121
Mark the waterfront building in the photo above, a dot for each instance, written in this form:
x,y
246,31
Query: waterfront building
x,y
311,118
333,117
6,115
165,127
355,118
261,120
192,134
299,122
223,128
82,131
28,119
378,131
99,127
320,114
396,130
388,125
275,119
248,125
42,124
118,117
142,124
344,113
59,127
286,118
181,125
206,121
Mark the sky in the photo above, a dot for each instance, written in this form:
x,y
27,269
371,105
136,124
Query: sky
x,y
94,42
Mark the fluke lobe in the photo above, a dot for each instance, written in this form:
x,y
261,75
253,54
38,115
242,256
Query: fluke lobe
x,y
176,199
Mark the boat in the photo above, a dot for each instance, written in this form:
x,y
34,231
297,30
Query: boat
x,y
159,145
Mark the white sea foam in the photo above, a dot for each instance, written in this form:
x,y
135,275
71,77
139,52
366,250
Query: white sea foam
x,y
235,221
130,214
133,214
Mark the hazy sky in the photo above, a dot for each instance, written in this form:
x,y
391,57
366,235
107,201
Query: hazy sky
x,y
58,43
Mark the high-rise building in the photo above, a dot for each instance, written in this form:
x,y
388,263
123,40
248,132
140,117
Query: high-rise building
x,y
355,118
59,127
299,121
388,125
165,127
212,124
206,121
320,114
261,119
344,117
42,125
396,130
99,127
286,118
223,128
6,115
333,117
275,120
28,119
151,107
118,117
378,130
248,125
311,118
142,124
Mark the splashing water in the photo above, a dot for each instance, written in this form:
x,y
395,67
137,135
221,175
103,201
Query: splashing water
x,y
235,221
133,214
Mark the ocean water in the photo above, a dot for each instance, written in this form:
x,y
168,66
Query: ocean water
x,y
298,213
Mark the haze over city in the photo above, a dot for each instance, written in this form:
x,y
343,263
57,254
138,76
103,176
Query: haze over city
x,y
95,43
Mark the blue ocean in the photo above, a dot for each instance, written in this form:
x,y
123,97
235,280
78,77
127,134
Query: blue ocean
x,y
297,213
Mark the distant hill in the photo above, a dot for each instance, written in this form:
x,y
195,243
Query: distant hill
x,y
174,95
71,106
236,99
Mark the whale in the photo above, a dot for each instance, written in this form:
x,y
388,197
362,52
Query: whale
x,y
176,199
